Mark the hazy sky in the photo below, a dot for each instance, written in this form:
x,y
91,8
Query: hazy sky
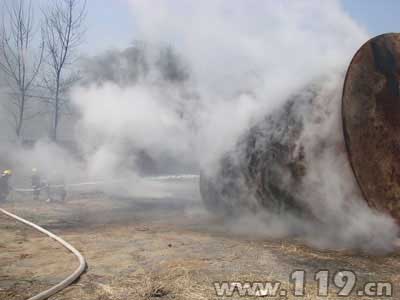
x,y
110,22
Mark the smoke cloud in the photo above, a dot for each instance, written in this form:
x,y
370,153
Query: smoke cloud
x,y
245,60
209,70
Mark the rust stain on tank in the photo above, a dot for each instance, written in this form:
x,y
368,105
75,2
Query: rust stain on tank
x,y
371,121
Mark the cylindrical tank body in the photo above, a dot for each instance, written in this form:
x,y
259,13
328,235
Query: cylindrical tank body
x,y
269,164
371,121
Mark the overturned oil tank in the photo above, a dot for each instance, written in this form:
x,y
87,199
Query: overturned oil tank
x,y
268,167
371,121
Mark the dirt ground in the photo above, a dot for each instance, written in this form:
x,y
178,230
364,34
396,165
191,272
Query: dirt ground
x,y
146,248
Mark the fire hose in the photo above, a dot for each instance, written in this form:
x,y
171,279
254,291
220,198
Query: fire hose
x,y
82,263
71,278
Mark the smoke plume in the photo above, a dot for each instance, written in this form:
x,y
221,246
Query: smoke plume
x,y
208,71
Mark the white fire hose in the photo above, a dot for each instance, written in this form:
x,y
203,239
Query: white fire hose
x,y
71,278
82,263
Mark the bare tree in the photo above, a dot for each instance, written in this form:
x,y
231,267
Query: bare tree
x,y
63,31
17,59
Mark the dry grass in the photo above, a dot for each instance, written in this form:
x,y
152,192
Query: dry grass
x,y
177,284
134,260
181,284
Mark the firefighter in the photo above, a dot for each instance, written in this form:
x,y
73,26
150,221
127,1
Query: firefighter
x,y
5,185
36,184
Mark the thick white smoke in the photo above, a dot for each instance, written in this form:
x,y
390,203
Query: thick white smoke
x,y
246,58
141,117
